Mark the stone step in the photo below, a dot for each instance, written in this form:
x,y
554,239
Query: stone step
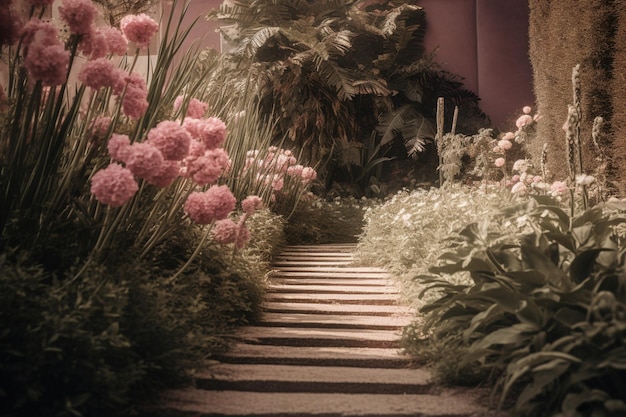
x,y
335,321
334,255
324,290
319,337
314,264
329,282
321,273
318,379
200,403
316,356
345,309
360,299
343,269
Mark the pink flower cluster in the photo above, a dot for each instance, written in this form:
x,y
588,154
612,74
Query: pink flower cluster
x,y
211,205
46,59
196,109
277,168
206,162
227,231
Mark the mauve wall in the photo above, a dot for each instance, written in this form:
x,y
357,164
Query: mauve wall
x,y
483,41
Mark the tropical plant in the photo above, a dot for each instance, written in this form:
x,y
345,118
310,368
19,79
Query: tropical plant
x,y
333,72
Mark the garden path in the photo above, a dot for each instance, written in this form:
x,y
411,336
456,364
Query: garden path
x,y
327,345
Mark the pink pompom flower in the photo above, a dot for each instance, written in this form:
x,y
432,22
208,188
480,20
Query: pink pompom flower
x,y
206,169
165,175
47,63
139,29
243,236
196,108
171,139
113,185
135,101
144,160
119,147
505,144
251,204
526,109
559,188
117,44
79,15
101,73
214,204
225,231
499,162
308,175
211,132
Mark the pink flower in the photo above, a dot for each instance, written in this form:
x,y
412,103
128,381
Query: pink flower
x,y
113,185
139,29
144,160
214,204
295,170
499,162
165,175
509,136
537,179
526,110
39,32
243,236
100,127
135,103
119,147
497,149
206,169
559,188
521,165
171,139
278,183
117,44
225,231
505,144
47,63
93,44
308,175
523,121
515,178
211,132
101,73
519,188
196,108
251,203
79,15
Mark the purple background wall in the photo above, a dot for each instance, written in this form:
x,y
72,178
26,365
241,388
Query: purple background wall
x,y
483,41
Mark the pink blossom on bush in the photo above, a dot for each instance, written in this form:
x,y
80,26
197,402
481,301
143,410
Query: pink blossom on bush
x,y
101,73
144,160
47,63
537,179
214,204
505,144
251,204
113,185
139,29
499,162
497,149
523,121
559,188
526,109
278,183
515,178
79,15
171,139
211,132
165,175
119,147
225,231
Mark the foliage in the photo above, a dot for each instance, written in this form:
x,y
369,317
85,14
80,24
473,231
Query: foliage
x,y
317,220
543,309
328,69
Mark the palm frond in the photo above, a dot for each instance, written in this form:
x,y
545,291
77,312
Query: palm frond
x,y
376,87
408,124
339,78
393,18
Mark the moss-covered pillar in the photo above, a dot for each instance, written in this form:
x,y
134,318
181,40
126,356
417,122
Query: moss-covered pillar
x,y
563,33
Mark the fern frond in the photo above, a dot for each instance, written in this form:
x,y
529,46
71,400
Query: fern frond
x,y
375,87
337,77
390,24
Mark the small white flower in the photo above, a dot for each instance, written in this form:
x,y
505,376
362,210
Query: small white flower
x,y
585,179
